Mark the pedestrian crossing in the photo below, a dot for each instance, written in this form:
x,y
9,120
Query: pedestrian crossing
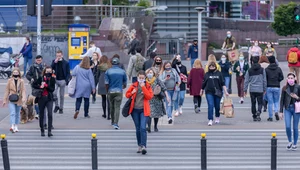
x,y
167,150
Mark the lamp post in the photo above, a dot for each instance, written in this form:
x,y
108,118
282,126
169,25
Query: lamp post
x,y
200,10
77,19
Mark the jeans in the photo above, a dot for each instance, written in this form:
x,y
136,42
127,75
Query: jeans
x,y
259,98
273,94
169,106
227,82
14,110
180,99
134,79
115,100
192,62
86,105
61,84
288,114
213,101
27,61
140,121
45,103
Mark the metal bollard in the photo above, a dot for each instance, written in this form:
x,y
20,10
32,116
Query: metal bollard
x,y
273,152
5,152
203,152
94,152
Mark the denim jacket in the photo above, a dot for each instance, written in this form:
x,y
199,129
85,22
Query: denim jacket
x,y
115,78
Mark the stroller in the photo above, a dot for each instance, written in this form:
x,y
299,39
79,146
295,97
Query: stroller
x,y
7,62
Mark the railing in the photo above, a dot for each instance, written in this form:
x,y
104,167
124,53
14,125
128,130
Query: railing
x,y
63,15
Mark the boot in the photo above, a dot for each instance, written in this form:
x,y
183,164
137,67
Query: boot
x,y
149,125
49,133
258,116
42,132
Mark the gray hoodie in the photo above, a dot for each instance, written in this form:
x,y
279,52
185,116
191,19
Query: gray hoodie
x,y
256,79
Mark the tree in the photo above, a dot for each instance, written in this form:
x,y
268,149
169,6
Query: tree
x,y
144,3
284,24
116,2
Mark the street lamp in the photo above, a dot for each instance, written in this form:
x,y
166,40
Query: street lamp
x,y
77,19
200,10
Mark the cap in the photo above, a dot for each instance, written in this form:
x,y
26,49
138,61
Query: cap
x,y
115,61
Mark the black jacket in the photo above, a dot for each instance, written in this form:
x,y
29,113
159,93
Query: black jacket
x,y
285,99
148,64
35,71
134,43
211,81
274,75
51,85
225,68
66,69
183,70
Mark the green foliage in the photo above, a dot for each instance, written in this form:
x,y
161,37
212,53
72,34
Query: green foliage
x,y
284,24
214,45
116,2
144,3
85,1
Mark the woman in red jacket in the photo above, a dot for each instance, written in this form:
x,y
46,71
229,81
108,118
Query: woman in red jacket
x,y
141,93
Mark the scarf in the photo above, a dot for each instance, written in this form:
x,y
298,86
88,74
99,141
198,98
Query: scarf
x,y
151,81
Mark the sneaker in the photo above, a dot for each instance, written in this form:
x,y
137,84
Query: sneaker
x,y
76,114
116,126
199,110
88,116
258,116
139,150
16,129
210,122
36,117
180,110
254,119
289,146
270,119
176,113
217,121
196,108
104,116
294,147
144,151
170,121
56,109
276,116
60,111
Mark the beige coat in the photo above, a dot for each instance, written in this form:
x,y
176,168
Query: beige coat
x,y
11,89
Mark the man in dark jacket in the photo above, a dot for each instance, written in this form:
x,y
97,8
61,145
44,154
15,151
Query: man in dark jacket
x,y
274,77
62,72
35,71
193,52
134,43
149,63
256,79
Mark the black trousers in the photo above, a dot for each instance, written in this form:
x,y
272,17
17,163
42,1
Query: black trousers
x,y
104,102
197,100
256,97
45,102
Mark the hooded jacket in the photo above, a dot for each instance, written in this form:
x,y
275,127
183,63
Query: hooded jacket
x,y
274,75
294,49
256,79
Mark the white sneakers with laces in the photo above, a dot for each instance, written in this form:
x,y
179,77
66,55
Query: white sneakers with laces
x,y
180,110
210,122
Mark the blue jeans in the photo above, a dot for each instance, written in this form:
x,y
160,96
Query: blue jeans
x,y
14,113
213,102
86,105
192,61
180,99
140,121
273,94
227,81
170,106
288,114
27,61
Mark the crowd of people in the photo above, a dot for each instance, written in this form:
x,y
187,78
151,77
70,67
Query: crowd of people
x,y
158,88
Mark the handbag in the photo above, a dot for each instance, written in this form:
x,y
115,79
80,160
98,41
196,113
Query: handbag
x,y
297,107
126,108
218,92
14,97
37,92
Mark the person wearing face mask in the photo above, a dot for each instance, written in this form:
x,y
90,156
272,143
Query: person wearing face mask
x,y
182,72
157,65
26,51
149,63
15,86
225,68
212,84
270,51
47,83
289,96
141,94
256,79
193,52
172,81
156,103
211,59
240,68
254,51
229,42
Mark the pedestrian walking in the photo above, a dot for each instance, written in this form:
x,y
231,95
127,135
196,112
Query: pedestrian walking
x,y
115,82
240,68
293,58
157,107
229,42
193,52
171,79
93,49
136,63
26,51
15,96
264,63
225,68
157,65
254,51
195,81
46,83
212,59
149,63
213,84
133,44
289,96
120,64
94,68
62,71
256,80
103,66
141,93
85,85
274,77
182,72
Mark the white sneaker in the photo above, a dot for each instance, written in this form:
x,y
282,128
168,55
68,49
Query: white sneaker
x,y
210,122
217,121
16,128
180,110
176,113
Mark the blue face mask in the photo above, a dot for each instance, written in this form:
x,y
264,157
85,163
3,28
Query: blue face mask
x,y
167,69
228,35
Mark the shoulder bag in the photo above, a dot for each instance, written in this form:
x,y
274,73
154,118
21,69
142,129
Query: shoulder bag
x,y
14,97
218,92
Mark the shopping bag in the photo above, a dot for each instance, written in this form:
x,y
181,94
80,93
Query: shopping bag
x,y
233,55
228,108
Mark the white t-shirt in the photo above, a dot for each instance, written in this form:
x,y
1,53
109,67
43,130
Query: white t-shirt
x,y
91,51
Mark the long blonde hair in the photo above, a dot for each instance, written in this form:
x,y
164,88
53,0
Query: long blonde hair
x,y
16,69
197,63
211,58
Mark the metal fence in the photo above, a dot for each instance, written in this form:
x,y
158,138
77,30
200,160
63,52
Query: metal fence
x,y
14,18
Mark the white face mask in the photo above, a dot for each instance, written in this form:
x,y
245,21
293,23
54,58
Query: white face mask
x,y
150,76
141,80
241,58
223,59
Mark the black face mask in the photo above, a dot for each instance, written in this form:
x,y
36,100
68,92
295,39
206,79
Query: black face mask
x,y
212,70
16,76
158,63
178,62
48,74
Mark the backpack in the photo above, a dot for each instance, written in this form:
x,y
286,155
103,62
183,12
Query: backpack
x,y
293,57
139,64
